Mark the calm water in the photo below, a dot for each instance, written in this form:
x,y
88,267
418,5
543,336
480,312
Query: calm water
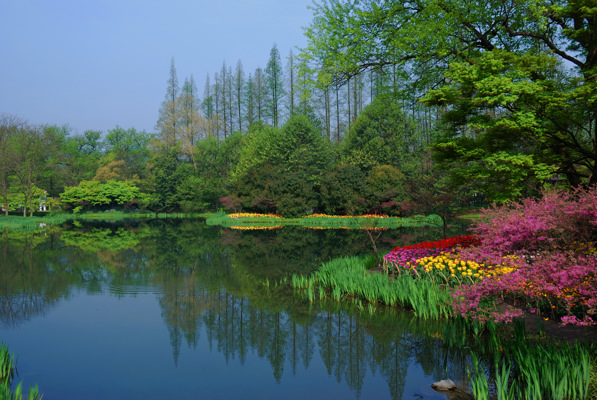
x,y
176,309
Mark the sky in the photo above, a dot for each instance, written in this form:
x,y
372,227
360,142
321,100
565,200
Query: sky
x,y
98,64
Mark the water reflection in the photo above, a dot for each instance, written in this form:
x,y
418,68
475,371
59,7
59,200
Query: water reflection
x,y
211,281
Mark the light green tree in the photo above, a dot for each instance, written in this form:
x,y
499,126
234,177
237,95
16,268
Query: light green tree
x,y
95,194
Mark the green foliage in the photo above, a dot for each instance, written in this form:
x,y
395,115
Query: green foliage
x,y
257,148
29,200
381,135
387,189
130,146
280,170
166,178
342,191
94,194
81,156
500,136
514,81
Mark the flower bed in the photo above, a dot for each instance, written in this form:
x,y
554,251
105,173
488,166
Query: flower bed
x,y
535,255
253,215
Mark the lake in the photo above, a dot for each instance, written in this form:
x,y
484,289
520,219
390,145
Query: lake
x,y
176,309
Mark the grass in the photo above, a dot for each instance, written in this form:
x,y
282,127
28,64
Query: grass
x,y
19,223
331,222
348,278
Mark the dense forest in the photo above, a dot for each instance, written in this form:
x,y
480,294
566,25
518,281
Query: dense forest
x,y
392,107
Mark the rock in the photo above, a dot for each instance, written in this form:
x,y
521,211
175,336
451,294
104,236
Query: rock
x,y
444,385
452,392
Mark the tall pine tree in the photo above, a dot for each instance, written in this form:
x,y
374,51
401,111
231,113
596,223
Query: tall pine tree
x,y
274,80
167,125
190,119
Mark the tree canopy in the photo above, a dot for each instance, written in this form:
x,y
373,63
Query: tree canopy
x,y
517,78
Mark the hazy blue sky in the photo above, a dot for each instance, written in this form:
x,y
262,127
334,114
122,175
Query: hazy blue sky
x,y
95,64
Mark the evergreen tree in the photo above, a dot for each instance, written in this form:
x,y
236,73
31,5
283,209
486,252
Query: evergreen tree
x,y
275,85
223,96
239,83
291,70
250,99
260,93
190,120
169,112
208,107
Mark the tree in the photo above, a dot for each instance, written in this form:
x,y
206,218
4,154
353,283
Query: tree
x,y
512,126
208,108
224,104
239,84
51,175
386,189
9,126
166,178
291,68
191,121
130,146
431,35
381,135
275,84
260,94
169,118
80,156
343,191
250,99
31,155
103,195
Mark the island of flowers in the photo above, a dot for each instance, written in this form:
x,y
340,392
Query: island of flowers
x,y
369,222
534,255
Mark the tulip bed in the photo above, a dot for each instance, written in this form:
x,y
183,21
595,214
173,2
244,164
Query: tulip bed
x,y
323,221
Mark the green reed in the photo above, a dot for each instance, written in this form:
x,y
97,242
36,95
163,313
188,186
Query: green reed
x,y
7,368
7,372
535,371
349,277
554,370
478,379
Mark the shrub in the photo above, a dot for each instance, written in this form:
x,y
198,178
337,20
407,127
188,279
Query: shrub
x,y
549,242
